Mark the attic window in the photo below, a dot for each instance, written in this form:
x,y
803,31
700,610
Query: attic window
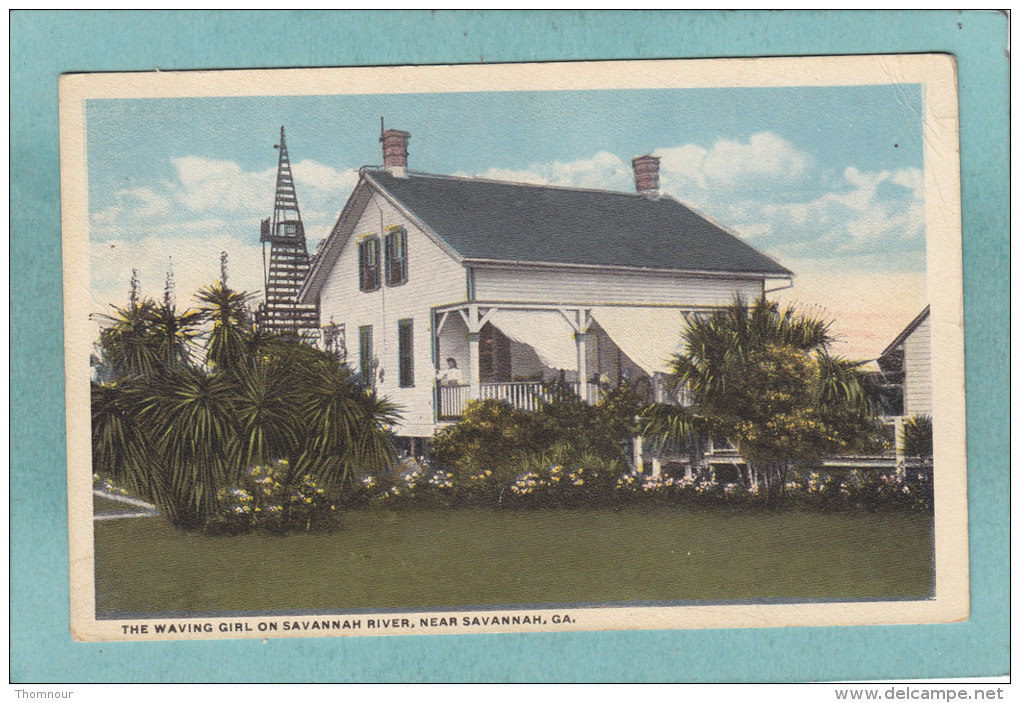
x,y
396,257
368,263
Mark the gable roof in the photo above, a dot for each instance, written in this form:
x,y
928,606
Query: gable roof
x,y
493,221
484,221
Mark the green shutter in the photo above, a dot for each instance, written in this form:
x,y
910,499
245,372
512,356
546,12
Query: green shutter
x,y
395,245
361,265
368,264
365,350
403,256
405,344
373,267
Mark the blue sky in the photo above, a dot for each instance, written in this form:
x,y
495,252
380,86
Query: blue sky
x,y
827,180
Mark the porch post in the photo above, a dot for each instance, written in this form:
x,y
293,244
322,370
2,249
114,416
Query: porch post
x,y
474,373
898,439
580,336
582,366
639,455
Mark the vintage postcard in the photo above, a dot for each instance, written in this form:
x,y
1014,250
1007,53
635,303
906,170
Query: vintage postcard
x,y
514,348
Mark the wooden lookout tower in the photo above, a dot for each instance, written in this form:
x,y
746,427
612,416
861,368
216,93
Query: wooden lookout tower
x,y
287,264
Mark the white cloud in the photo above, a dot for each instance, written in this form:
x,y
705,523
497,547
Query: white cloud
x,y
772,192
683,166
603,170
765,155
134,205
194,260
765,160
324,178
151,205
755,231
107,216
212,185
859,217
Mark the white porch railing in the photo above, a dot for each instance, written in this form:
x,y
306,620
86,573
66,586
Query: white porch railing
x,y
523,395
451,401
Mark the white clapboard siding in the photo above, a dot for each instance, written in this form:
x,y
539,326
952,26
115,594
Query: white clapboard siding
x,y
609,287
917,365
433,278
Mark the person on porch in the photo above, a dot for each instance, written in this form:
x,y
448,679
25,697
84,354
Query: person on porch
x,y
451,375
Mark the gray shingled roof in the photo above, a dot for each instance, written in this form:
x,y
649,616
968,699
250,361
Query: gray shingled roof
x,y
494,221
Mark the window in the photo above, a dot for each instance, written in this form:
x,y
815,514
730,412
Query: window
x,y
368,263
405,349
365,351
396,257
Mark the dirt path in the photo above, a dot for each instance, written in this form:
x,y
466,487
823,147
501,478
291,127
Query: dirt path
x,y
144,509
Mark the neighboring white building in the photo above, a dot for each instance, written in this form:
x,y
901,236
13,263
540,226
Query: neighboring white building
x,y
517,283
905,367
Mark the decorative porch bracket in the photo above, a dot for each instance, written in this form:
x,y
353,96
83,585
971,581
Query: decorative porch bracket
x,y
474,324
579,319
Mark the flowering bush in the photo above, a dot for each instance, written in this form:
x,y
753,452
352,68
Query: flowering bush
x,y
555,480
559,481
261,501
661,489
908,486
420,484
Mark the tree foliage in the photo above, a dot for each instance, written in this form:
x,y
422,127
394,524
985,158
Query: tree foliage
x,y
178,430
763,378
231,322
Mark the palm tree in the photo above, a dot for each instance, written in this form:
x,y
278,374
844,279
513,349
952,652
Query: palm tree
x,y
122,445
670,427
347,426
268,425
190,419
178,432
227,344
763,378
126,340
917,436
173,334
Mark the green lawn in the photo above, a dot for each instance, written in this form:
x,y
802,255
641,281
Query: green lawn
x,y
473,557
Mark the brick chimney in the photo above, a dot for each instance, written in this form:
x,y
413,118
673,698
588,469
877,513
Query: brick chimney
x,y
646,175
394,149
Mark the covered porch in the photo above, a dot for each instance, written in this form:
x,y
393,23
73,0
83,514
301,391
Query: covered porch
x,y
514,351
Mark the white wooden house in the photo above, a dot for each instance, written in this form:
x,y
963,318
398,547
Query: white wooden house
x,y
905,369
517,284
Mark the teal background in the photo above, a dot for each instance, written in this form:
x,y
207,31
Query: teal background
x,y
46,44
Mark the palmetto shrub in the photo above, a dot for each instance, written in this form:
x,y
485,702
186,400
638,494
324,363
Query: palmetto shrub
x,y
917,436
